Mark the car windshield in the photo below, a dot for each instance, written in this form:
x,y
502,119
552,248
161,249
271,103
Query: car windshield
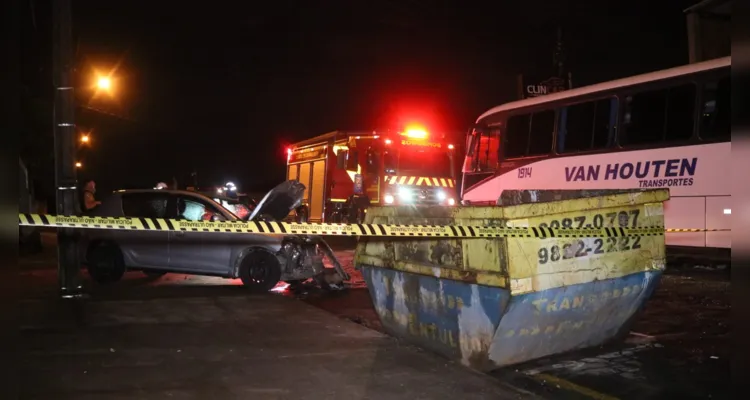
x,y
420,162
196,209
235,207
227,210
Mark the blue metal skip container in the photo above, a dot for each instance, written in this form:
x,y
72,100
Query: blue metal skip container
x,y
494,302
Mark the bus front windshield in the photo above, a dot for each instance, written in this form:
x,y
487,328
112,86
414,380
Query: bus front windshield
x,y
434,163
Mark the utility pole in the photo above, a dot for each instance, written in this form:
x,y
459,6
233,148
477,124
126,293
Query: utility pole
x,y
558,57
194,175
65,150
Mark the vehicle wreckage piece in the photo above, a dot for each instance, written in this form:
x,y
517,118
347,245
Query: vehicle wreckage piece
x,y
301,256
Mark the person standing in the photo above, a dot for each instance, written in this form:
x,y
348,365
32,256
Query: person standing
x,y
89,201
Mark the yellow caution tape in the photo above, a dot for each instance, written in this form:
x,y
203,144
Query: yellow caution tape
x,y
455,231
674,230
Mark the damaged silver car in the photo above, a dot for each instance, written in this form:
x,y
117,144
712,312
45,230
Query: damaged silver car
x,y
260,260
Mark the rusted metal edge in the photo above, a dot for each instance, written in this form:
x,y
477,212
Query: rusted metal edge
x,y
514,197
485,278
630,197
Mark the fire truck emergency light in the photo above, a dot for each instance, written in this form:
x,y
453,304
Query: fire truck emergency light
x,y
416,133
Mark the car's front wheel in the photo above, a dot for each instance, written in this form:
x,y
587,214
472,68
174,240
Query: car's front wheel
x,y
260,271
105,263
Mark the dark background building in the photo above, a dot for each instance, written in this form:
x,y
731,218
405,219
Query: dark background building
x,y
709,30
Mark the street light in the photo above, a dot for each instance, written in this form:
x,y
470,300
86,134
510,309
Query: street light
x,y
85,138
78,164
104,83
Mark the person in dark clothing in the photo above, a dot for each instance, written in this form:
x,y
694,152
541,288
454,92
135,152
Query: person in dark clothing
x,y
89,201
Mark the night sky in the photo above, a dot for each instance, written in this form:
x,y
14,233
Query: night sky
x,y
222,88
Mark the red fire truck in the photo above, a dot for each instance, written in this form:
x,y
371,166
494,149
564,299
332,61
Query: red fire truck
x,y
345,172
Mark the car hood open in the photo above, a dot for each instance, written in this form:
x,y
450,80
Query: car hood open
x,y
280,201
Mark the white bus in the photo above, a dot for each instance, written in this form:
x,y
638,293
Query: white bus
x,y
665,129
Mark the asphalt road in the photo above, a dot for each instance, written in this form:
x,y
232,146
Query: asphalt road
x,y
678,348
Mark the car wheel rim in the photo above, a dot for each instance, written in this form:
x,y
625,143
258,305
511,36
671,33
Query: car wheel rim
x,y
105,265
259,273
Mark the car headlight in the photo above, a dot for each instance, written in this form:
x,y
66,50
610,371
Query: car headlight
x,y
388,199
405,194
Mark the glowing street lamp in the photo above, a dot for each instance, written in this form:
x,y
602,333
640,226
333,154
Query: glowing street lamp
x,y
85,139
79,165
104,83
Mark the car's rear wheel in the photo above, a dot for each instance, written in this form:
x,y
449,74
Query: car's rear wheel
x,y
105,263
260,271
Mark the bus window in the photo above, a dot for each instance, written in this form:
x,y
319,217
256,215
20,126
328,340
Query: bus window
x,y
541,133
604,123
643,120
516,137
680,113
659,115
529,134
487,151
586,126
714,123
